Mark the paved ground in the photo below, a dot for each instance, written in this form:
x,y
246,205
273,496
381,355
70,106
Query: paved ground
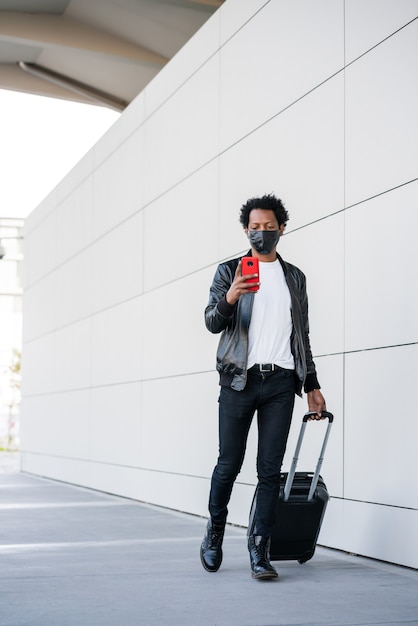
x,y
74,557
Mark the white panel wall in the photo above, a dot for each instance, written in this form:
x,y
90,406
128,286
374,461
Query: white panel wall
x,y
316,103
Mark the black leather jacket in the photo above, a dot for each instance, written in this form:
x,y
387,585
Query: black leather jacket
x,y
234,320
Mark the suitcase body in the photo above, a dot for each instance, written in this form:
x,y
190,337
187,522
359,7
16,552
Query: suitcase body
x,y
300,508
298,520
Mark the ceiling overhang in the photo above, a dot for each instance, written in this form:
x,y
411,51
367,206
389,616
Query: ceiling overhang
x,y
101,52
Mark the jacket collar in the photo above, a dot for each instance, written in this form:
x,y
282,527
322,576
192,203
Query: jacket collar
x,y
282,263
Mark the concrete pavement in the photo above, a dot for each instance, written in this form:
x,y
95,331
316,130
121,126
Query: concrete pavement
x,y
75,557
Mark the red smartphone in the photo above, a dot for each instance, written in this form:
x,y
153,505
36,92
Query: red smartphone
x,y
249,265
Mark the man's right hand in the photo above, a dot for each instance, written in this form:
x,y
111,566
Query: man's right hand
x,y
240,286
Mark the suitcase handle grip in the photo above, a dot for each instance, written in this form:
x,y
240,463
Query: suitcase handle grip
x,y
292,470
325,414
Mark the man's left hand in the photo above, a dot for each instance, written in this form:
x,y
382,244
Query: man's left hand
x,y
316,403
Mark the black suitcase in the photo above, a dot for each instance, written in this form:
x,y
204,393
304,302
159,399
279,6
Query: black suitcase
x,y
300,509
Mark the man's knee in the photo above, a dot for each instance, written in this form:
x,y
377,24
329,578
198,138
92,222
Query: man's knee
x,y
269,479
227,472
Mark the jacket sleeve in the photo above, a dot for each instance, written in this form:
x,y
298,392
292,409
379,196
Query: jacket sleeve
x,y
311,381
218,313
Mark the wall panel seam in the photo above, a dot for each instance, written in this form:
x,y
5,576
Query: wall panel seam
x,y
38,224
200,372
135,214
374,503
58,392
113,464
203,267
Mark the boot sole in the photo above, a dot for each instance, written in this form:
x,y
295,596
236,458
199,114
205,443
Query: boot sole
x,y
265,575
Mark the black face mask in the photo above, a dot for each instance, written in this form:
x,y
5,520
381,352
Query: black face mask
x,y
264,241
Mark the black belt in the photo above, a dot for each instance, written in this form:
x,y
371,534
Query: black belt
x,y
266,367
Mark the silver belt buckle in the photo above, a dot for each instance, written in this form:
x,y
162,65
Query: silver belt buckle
x,y
269,370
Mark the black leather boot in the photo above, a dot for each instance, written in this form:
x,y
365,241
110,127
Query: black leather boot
x,y
259,548
211,548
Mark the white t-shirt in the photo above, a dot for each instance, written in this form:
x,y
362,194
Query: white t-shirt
x,y
271,319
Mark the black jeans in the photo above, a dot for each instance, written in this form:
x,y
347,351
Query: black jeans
x,y
272,395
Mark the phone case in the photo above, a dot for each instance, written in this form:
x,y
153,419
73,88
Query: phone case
x,y
249,265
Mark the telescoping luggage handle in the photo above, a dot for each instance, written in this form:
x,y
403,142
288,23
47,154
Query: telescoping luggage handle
x,y
292,470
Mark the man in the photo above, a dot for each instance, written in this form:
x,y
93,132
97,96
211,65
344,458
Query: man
x,y
264,358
